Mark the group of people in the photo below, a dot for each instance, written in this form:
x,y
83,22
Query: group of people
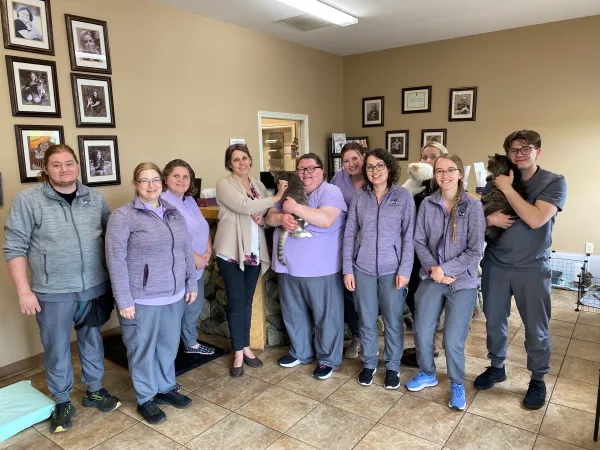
x,y
373,247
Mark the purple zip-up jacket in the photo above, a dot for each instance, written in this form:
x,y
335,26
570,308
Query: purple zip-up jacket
x,y
378,239
148,257
459,258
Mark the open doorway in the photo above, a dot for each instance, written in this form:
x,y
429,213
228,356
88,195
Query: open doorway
x,y
283,138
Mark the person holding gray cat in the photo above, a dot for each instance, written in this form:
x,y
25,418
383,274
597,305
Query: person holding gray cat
x,y
517,264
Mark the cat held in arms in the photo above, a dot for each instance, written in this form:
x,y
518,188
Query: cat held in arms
x,y
495,200
296,191
418,173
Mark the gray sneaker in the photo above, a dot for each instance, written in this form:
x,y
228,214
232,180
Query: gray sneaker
x,y
353,349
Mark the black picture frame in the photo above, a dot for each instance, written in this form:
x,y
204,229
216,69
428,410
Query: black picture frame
x,y
93,101
101,168
372,112
427,134
89,49
39,138
464,109
38,96
332,157
413,97
400,146
35,44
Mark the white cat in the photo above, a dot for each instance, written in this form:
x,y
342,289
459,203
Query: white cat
x,y
417,173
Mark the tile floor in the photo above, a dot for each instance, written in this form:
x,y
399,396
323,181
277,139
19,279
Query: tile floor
x,y
282,409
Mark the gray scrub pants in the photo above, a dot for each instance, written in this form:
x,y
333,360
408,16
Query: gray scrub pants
x,y
531,289
372,293
152,340
429,302
323,298
56,320
189,321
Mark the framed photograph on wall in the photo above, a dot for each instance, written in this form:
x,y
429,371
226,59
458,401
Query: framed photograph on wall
x,y
372,112
463,104
434,135
93,101
99,156
27,25
416,100
88,44
397,143
32,87
32,143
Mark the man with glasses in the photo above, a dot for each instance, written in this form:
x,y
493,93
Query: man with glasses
x,y
517,264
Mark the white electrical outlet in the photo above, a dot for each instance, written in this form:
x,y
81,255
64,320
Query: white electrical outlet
x,y
589,247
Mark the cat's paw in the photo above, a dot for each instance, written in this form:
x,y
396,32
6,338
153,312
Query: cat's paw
x,y
303,234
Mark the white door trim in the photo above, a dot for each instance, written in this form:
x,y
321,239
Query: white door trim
x,y
302,132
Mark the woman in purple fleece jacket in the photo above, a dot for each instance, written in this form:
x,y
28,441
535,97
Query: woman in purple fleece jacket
x,y
449,238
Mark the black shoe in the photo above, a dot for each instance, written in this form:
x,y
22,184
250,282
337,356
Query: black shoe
x,y
322,372
61,417
152,413
255,363
490,377
102,400
536,395
288,361
173,398
392,379
365,377
409,357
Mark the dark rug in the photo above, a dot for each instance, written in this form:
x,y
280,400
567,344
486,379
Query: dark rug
x,y
115,351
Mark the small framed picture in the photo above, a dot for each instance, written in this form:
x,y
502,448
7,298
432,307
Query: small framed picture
x,y
93,101
32,87
463,104
27,25
88,44
32,143
438,135
416,100
372,112
397,143
99,156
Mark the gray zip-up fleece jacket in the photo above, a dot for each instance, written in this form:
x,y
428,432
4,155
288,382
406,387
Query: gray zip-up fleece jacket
x,y
378,239
148,257
64,244
434,236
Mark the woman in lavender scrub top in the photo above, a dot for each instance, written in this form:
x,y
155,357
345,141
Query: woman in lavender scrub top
x,y
311,282
349,179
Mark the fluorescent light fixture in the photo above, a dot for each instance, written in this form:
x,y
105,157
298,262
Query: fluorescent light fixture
x,y
322,11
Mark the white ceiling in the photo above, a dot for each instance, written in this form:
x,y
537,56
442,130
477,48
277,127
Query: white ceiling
x,y
391,23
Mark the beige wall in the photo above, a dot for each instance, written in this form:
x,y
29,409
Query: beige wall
x,y
544,77
183,85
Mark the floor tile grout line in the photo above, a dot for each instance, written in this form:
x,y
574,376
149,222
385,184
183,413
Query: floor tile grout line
x,y
515,426
122,431
229,412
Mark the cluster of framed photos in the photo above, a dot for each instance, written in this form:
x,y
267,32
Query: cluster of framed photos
x,y
33,88
397,140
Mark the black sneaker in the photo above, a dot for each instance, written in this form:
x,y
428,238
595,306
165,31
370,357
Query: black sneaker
x,y
61,417
491,376
392,379
173,398
536,395
288,361
152,413
322,372
102,400
365,377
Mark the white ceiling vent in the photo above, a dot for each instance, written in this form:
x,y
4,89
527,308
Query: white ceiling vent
x,y
306,22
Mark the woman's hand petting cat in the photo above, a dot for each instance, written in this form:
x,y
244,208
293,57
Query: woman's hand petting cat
x,y
499,219
258,219
281,188
288,222
290,205
401,281
504,182
349,282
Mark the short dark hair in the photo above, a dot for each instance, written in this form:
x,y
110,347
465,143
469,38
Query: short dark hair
x,y
390,163
21,8
352,146
192,191
529,136
311,156
231,149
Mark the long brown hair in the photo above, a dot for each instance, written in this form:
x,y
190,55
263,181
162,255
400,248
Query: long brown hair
x,y
459,192
180,163
53,149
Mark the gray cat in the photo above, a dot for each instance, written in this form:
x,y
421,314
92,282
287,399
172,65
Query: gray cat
x,y
296,191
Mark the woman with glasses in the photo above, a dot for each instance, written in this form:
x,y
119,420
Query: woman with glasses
x,y
241,247
449,257
378,257
151,265
310,283
349,179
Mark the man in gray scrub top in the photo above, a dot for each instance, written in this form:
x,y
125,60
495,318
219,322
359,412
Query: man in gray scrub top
x,y
517,264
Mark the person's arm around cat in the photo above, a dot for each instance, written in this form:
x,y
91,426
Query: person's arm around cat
x,y
322,217
275,218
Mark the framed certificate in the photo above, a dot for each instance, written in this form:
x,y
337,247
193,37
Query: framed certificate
x,y
416,100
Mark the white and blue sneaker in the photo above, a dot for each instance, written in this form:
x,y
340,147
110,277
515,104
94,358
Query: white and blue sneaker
x,y
421,381
457,397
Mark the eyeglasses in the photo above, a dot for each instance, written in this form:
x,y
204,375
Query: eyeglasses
x,y
451,171
524,150
148,182
379,166
301,170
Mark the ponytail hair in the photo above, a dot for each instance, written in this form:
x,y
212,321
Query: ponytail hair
x,y
53,149
459,192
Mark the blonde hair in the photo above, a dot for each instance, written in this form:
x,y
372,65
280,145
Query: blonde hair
x,y
52,150
145,166
459,192
443,150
